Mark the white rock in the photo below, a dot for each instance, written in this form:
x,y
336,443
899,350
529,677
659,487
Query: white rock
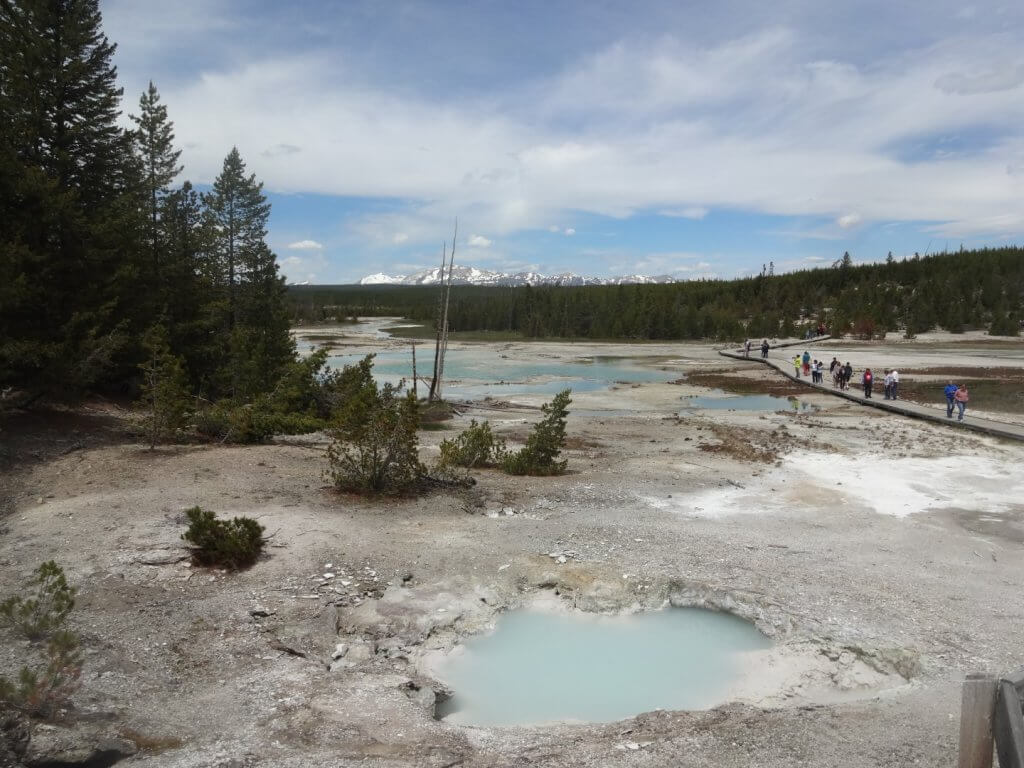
x,y
328,575
561,559
339,650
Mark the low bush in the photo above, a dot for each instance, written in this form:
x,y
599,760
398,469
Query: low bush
x,y
37,616
45,685
306,399
540,454
234,543
477,446
376,448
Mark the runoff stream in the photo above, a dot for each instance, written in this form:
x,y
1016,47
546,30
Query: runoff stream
x,y
541,667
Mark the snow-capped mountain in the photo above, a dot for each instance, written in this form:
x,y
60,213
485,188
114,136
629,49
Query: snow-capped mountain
x,y
477,276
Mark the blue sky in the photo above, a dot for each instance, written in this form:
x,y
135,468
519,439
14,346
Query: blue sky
x,y
687,138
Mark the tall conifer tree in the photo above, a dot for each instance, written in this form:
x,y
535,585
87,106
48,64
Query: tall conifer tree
x,y
67,229
256,321
154,145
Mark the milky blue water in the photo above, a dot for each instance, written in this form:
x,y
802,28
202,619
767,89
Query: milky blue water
x,y
748,403
471,373
540,667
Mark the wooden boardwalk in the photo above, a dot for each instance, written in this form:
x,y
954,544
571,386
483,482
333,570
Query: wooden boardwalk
x,y
779,359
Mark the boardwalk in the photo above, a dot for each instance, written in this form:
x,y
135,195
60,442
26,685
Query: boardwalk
x,y
781,359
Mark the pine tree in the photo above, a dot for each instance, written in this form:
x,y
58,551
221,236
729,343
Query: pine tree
x,y
239,213
154,146
67,230
256,319
165,391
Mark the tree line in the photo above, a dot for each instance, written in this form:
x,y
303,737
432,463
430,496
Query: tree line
x,y
105,261
967,289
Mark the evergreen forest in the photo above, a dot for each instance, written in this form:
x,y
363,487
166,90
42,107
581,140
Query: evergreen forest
x,y
112,272
976,289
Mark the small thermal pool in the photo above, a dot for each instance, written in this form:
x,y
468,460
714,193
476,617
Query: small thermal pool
x,y
722,402
542,667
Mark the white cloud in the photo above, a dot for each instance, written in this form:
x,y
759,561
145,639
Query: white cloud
x,y
479,241
753,124
305,245
695,212
570,232
848,220
1006,77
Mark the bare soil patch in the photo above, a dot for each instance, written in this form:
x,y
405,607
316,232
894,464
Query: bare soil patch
x,y
748,381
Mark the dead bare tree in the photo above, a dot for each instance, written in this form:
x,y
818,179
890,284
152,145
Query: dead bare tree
x,y
440,309
447,299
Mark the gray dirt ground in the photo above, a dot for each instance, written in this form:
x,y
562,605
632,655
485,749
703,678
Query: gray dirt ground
x,y
885,569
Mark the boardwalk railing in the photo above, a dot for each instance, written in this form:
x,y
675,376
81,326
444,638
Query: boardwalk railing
x,y
991,712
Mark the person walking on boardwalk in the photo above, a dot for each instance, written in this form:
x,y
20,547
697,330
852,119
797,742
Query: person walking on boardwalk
x,y
847,375
746,349
796,365
807,363
866,381
832,366
961,399
895,390
950,393
888,384
764,349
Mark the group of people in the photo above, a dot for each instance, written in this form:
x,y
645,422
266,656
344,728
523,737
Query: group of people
x,y
764,348
840,373
956,397
891,383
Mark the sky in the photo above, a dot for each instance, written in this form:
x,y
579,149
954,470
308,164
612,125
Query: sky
x,y
605,138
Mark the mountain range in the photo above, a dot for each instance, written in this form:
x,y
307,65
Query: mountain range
x,y
477,276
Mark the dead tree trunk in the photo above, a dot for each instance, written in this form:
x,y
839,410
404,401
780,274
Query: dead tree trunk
x,y
440,309
447,299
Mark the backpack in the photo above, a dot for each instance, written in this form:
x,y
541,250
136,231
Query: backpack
x,y
867,377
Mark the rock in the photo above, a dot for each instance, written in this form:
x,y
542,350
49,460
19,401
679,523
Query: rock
x,y
260,611
75,745
361,651
508,510
339,650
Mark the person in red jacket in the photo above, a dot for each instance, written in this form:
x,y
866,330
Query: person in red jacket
x,y
867,380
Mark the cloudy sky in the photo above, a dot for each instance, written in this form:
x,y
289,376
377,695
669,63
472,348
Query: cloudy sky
x,y
597,136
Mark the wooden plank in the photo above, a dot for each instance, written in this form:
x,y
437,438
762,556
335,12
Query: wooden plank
x,y
1008,727
1017,680
976,711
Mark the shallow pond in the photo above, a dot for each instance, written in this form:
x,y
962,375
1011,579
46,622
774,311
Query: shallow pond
x,y
720,401
542,667
475,373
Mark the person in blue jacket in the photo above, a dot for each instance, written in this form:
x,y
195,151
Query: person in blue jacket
x,y
950,392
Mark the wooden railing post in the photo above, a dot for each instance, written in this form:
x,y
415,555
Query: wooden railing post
x,y
1009,721
976,711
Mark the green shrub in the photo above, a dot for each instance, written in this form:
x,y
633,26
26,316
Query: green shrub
x,y
375,448
38,616
42,689
165,392
477,446
545,443
305,400
234,543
